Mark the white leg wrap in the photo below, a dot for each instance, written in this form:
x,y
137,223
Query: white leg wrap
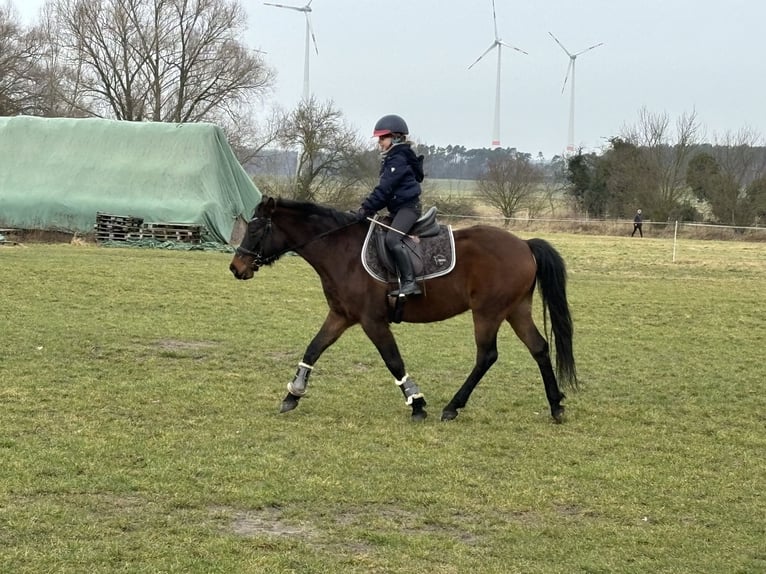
x,y
298,385
409,388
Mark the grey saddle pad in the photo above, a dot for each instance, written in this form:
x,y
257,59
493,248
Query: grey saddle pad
x,y
431,256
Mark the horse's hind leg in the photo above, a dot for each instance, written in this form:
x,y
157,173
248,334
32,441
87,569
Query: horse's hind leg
x,y
485,334
333,327
381,336
524,326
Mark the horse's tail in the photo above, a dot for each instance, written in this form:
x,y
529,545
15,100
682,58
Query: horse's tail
x,y
552,283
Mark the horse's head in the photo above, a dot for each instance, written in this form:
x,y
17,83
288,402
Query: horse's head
x,y
282,225
257,247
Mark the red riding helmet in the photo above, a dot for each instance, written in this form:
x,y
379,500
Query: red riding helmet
x,y
390,124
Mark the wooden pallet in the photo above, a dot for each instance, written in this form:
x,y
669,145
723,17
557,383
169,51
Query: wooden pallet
x,y
125,228
183,232
111,227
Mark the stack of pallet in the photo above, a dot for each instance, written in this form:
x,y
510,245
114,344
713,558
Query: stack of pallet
x,y
126,228
183,232
116,227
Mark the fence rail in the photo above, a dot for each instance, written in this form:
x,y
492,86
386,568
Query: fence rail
x,y
615,227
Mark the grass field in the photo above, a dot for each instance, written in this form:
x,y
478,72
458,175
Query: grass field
x,y
139,429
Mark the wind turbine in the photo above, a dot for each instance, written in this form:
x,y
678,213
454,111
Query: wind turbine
x,y
497,43
309,33
571,67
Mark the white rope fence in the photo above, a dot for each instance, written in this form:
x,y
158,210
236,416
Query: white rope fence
x,y
622,227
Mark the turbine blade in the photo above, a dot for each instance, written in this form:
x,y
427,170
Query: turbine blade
x,y
483,54
589,49
311,30
494,18
512,47
560,44
296,8
569,68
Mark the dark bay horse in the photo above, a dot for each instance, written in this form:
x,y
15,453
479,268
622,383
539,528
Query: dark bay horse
x,y
495,277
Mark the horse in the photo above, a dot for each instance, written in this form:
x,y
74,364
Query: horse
x,y
495,276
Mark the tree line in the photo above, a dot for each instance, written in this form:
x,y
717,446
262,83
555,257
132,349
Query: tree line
x,y
185,61
671,174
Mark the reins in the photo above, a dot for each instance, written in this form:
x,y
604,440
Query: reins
x,y
258,258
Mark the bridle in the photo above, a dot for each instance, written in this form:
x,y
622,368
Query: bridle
x,y
259,259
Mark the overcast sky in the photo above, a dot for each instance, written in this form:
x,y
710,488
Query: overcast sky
x,y
411,57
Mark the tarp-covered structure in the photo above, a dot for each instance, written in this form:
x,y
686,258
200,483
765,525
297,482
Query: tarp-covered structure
x,y
58,173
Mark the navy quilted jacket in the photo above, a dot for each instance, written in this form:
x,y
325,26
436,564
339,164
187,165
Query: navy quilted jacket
x,y
401,172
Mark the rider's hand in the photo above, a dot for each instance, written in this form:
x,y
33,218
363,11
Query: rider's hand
x,y
363,214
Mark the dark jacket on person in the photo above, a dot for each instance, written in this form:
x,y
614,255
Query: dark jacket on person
x,y
638,219
401,172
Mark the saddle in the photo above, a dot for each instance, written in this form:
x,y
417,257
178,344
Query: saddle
x,y
431,247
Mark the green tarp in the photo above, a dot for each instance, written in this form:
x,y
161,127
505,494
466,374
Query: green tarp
x,y
57,173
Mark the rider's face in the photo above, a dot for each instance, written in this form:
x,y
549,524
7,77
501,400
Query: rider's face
x,y
384,142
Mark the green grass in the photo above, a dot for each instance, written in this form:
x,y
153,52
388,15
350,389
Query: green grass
x,y
140,433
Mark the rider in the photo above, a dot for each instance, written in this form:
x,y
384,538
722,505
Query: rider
x,y
401,172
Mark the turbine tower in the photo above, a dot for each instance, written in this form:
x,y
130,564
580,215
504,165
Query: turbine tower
x,y
571,67
309,37
497,43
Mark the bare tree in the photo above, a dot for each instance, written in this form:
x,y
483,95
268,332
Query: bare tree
x,y
740,155
666,154
159,60
330,163
510,183
20,53
729,176
248,134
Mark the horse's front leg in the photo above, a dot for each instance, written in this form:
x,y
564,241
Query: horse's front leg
x,y
381,336
332,328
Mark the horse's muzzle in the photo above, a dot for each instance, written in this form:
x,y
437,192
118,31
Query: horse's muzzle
x,y
240,269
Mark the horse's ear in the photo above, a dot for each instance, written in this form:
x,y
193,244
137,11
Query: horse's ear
x,y
265,207
268,205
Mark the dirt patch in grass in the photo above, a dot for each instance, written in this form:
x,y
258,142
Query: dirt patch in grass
x,y
268,521
272,522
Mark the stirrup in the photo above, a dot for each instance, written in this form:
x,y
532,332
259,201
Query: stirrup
x,y
406,289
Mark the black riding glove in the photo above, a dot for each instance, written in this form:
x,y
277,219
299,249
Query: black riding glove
x,y
363,214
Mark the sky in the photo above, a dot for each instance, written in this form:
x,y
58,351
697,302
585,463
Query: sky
x,y
411,57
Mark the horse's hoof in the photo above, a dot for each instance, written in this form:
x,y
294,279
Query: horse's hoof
x,y
419,416
558,416
449,415
287,406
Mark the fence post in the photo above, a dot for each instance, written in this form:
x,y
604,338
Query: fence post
x,y
675,240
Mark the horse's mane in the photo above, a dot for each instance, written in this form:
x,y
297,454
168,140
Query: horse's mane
x,y
323,211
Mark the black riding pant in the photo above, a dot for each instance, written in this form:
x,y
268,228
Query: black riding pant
x,y
403,221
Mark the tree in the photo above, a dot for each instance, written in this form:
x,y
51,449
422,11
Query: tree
x,y
509,183
331,162
756,196
20,53
629,176
728,177
554,185
159,60
248,135
664,153
740,163
587,186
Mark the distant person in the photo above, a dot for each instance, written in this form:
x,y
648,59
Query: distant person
x,y
638,222
401,172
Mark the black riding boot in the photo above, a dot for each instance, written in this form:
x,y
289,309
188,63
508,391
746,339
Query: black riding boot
x,y
406,273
